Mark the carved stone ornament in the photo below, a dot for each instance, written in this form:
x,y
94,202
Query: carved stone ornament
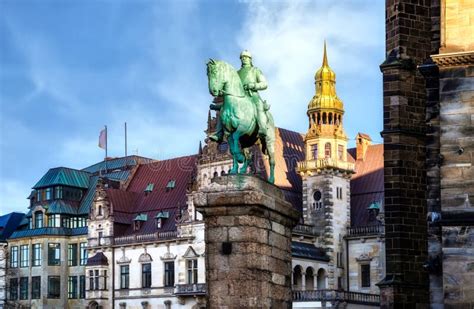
x,y
168,255
190,253
145,258
123,259
364,258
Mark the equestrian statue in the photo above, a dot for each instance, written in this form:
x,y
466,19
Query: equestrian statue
x,y
244,118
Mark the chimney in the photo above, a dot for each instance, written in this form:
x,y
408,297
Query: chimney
x,y
363,141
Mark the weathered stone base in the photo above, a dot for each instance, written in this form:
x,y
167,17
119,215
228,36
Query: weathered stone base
x,y
248,243
396,293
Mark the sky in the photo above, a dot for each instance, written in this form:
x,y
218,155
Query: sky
x,y
67,68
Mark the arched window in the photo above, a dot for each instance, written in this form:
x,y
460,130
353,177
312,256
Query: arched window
x,y
99,211
216,174
321,279
319,118
330,118
309,284
297,278
38,219
222,173
324,118
327,150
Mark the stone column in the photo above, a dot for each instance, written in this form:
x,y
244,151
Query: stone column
x,y
248,242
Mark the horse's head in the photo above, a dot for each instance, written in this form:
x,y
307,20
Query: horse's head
x,y
216,82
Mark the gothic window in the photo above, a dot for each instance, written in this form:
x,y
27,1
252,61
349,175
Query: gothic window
x,y
365,275
327,150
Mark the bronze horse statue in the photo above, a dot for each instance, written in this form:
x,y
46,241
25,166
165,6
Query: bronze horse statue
x,y
238,117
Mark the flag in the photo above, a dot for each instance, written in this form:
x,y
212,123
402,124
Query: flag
x,y
103,139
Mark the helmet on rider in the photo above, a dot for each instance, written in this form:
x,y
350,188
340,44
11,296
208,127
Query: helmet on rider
x,y
245,53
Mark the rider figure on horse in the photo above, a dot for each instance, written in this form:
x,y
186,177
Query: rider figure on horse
x,y
252,81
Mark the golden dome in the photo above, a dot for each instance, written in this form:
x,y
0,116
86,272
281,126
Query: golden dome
x,y
325,81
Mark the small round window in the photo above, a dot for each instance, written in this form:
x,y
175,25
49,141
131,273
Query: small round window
x,y
317,195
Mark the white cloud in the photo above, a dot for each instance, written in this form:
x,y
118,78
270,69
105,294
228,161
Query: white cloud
x,y
286,40
13,196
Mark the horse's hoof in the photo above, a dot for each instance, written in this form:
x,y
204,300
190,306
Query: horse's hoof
x,y
271,179
232,172
243,171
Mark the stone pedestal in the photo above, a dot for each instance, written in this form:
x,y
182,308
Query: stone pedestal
x,y
248,242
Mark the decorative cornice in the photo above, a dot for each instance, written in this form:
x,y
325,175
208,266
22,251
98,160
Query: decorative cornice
x,y
454,59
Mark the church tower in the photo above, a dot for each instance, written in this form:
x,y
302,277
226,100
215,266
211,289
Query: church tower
x,y
326,172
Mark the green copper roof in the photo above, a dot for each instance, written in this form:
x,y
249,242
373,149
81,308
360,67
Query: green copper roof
x,y
374,205
64,176
141,217
61,207
163,214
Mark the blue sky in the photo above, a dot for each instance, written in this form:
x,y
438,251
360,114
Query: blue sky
x,y
67,68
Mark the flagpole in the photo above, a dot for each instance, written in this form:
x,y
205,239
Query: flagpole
x,y
126,159
106,138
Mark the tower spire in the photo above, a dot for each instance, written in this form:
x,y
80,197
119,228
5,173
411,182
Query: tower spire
x,y
325,57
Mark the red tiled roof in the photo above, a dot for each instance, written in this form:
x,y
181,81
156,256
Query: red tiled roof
x,y
134,201
366,184
289,150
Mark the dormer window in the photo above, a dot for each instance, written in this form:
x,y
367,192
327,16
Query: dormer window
x,y
160,217
138,221
171,184
38,219
149,188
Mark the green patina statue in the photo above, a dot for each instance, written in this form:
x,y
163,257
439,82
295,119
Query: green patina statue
x,y
244,116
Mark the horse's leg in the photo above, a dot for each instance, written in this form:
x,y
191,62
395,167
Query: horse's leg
x,y
235,165
235,147
270,146
243,169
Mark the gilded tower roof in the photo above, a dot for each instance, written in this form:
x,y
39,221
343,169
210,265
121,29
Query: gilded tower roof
x,y
325,81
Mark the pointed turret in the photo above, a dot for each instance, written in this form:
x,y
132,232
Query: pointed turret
x,y
325,82
326,141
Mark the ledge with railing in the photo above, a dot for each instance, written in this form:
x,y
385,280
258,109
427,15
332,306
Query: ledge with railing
x,y
333,295
145,237
191,289
366,230
325,163
304,229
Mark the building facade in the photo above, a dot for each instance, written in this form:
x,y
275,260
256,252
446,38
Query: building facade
x,y
124,233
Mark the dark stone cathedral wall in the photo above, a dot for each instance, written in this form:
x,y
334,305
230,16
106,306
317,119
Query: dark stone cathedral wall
x,y
408,44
